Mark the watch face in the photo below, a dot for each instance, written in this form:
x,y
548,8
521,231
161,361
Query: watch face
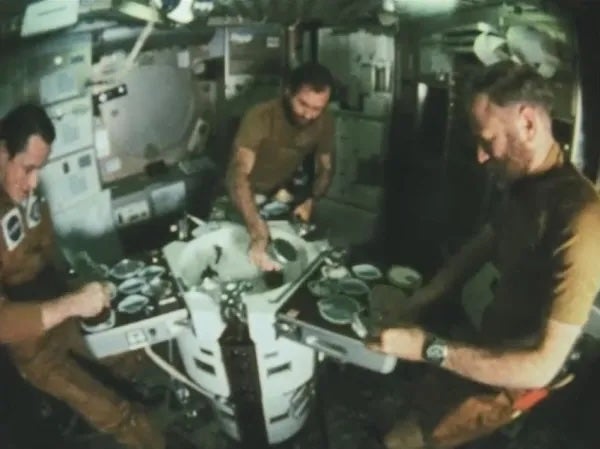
x,y
435,352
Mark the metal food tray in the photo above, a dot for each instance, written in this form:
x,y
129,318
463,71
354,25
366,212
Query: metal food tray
x,y
132,331
299,320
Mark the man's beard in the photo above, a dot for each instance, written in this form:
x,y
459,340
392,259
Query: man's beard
x,y
511,167
291,116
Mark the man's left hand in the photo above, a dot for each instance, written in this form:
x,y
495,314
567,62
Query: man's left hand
x,y
403,342
304,210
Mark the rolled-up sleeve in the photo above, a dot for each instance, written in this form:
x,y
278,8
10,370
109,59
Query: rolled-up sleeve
x,y
577,278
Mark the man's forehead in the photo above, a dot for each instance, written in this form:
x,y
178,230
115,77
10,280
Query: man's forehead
x,y
487,113
35,151
308,94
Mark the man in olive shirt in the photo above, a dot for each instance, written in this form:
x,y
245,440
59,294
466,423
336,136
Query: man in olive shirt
x,y
544,242
274,138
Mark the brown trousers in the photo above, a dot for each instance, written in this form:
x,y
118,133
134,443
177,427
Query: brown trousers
x,y
46,364
448,411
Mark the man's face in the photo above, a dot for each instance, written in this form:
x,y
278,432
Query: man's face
x,y
20,175
499,146
306,105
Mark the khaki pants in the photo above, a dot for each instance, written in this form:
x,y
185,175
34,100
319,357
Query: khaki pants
x,y
448,411
46,364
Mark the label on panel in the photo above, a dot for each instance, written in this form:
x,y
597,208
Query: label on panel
x,y
59,68
59,85
73,121
70,179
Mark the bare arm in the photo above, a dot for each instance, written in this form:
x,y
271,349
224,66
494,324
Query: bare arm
x,y
324,173
512,369
458,269
526,369
20,321
238,184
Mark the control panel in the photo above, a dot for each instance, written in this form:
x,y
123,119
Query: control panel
x,y
137,334
132,213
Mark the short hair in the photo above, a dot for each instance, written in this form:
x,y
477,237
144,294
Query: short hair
x,y
507,82
311,74
23,122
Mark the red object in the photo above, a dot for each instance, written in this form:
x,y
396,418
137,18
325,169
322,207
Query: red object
x,y
529,399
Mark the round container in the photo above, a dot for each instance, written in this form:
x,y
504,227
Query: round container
x,y
284,196
112,290
274,209
152,271
131,286
323,287
339,309
367,272
405,278
353,287
105,320
133,304
157,288
334,271
282,251
126,268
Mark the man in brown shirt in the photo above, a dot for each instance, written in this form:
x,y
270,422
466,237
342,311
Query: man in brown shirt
x,y
36,310
544,241
274,138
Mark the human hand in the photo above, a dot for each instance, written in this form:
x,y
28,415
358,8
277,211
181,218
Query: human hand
x,y
404,342
304,210
90,300
259,256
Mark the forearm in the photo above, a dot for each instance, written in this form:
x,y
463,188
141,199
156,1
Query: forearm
x,y
20,321
322,182
517,370
462,265
242,196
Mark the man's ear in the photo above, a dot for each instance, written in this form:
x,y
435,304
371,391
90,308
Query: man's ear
x,y
527,122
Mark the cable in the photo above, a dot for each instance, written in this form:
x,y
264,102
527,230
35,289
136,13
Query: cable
x,y
176,374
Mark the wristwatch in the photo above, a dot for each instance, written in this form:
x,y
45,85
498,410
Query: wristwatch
x,y
435,350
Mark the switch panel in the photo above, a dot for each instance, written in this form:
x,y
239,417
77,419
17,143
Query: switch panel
x,y
136,338
132,213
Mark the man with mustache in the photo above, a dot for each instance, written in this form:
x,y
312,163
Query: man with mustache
x,y
273,140
544,240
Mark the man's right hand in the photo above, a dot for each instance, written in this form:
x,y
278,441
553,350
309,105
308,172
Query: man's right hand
x,y
89,300
259,256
